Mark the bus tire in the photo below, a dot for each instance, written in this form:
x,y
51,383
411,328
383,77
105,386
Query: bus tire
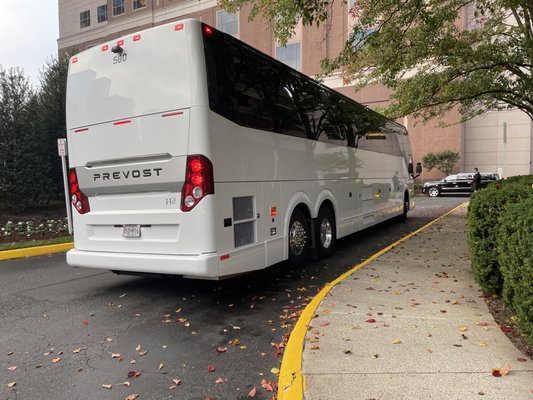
x,y
298,238
325,233
403,216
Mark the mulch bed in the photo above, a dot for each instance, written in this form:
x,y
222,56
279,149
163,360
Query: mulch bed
x,y
38,215
503,318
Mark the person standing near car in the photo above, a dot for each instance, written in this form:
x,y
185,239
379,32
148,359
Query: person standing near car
x,y
476,182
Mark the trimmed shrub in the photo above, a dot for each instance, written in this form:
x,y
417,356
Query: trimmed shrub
x,y
484,211
515,258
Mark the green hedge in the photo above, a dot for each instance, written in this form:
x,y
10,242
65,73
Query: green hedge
x,y
500,236
515,258
484,211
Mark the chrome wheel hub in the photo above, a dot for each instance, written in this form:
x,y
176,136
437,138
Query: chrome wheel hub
x,y
297,238
326,233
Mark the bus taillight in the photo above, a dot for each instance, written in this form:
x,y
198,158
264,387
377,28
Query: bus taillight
x,y
198,181
79,201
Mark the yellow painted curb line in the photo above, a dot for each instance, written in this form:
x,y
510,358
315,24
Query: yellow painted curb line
x,y
291,379
35,251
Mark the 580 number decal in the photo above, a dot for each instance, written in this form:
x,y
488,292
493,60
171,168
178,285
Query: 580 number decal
x,y
120,58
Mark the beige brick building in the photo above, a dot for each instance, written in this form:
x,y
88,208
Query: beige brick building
x,y
481,141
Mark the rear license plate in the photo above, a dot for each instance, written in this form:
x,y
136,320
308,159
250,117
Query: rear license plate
x,y
131,231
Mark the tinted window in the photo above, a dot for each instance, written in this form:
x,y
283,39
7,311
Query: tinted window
x,y
254,90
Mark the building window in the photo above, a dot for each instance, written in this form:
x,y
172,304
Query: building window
x,y
139,4
290,55
228,22
102,13
118,7
85,19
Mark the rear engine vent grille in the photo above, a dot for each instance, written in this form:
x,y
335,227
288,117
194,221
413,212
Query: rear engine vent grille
x,y
243,220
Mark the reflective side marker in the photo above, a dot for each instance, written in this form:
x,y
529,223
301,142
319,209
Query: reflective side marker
x,y
81,130
224,257
178,27
74,60
105,47
172,114
120,43
128,121
136,38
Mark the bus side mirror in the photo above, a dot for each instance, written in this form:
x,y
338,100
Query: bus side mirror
x,y
418,169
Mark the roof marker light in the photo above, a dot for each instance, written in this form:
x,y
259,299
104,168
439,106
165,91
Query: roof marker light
x,y
208,30
178,27
136,38
105,47
172,114
128,121
120,43
74,60
224,257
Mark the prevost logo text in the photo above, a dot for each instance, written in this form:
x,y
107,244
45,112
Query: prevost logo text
x,y
128,174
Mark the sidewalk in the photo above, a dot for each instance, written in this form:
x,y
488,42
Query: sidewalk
x,y
410,324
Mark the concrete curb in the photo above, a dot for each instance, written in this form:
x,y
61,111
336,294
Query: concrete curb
x,y
35,251
291,380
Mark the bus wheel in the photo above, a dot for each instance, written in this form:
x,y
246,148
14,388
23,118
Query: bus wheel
x,y
298,238
403,217
326,236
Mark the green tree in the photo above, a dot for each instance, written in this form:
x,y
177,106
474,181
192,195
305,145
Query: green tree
x,y
420,49
52,95
444,161
23,167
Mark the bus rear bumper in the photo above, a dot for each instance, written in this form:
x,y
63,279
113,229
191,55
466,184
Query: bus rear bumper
x,y
205,266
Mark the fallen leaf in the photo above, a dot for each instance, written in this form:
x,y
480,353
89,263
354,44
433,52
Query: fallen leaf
x,y
496,372
219,380
253,392
397,341
210,368
85,322
222,349
235,342
11,384
126,383
56,360
116,355
107,386
268,385
132,396
133,361
371,320
324,324
177,382
79,349
275,370
463,329
13,368
121,297
347,351
314,347
521,359
505,370
138,348
133,374
143,353
483,344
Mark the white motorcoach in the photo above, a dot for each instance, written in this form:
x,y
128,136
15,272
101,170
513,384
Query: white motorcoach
x,y
193,154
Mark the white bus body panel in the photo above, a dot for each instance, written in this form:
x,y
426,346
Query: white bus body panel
x,y
130,132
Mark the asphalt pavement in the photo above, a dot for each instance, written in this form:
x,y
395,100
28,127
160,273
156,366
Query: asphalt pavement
x,y
409,323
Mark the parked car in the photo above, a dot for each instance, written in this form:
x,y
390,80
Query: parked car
x,y
460,183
